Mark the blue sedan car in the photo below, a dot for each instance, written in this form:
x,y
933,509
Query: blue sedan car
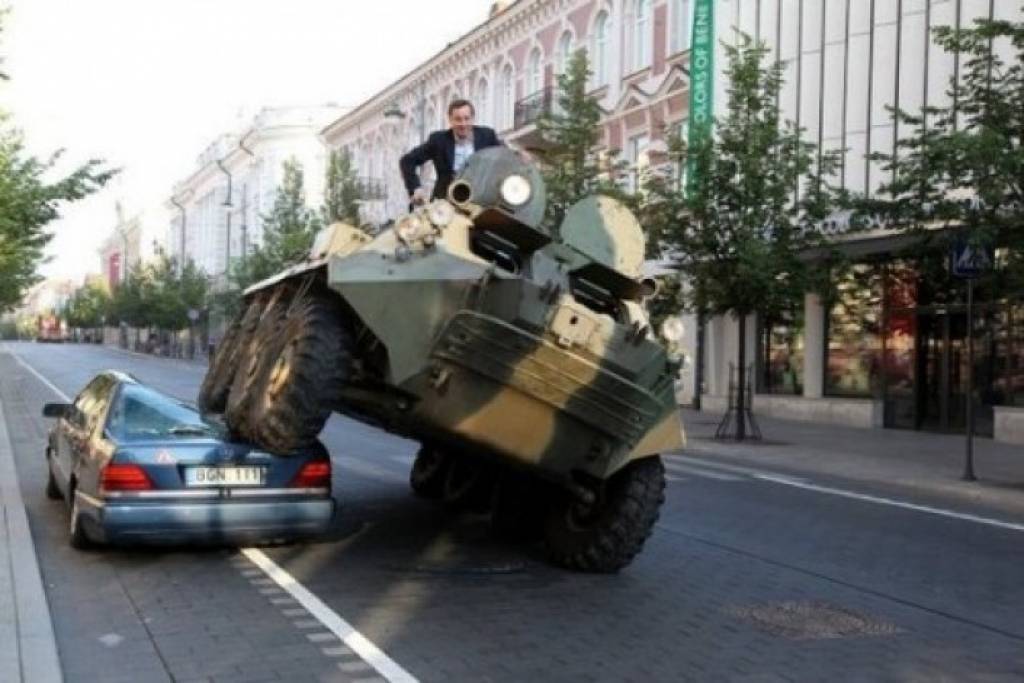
x,y
135,465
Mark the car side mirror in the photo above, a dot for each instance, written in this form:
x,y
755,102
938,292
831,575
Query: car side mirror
x,y
57,410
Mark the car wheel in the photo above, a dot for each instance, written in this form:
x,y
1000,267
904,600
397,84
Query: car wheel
x,y
606,534
256,352
52,490
302,376
428,472
77,536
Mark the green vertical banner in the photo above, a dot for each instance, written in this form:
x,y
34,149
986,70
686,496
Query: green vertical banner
x,y
702,81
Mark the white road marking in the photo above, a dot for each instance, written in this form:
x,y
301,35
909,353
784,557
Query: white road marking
x,y
687,470
362,646
977,519
800,483
359,643
53,387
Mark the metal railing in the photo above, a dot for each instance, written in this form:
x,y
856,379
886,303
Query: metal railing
x,y
532,107
372,189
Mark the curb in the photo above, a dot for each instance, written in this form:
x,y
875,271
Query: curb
x,y
35,646
184,361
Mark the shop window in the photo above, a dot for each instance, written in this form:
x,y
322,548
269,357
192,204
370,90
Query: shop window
x,y
854,350
781,354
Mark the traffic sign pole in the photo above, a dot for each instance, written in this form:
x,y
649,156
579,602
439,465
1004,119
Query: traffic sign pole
x,y
969,459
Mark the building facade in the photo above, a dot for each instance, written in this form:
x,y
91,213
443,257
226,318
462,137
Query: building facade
x,y
890,351
887,353
122,249
508,66
216,212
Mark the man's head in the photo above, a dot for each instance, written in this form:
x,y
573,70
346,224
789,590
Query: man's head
x,y
460,118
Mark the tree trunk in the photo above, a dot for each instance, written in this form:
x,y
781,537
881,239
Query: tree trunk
x,y
741,374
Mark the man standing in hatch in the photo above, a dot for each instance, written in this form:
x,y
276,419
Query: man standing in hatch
x,y
448,150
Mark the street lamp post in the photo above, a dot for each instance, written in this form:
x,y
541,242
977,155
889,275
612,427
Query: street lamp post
x,y
181,259
227,206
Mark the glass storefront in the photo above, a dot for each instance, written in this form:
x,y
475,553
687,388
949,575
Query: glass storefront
x,y
780,368
854,351
899,334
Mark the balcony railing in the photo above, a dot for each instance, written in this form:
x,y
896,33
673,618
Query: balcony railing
x,y
372,189
532,107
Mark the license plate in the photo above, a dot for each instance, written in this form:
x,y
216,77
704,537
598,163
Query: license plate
x,y
225,476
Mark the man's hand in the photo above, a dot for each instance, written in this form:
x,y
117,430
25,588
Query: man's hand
x,y
419,197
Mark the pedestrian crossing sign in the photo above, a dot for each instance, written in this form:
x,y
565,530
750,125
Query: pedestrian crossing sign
x,y
970,260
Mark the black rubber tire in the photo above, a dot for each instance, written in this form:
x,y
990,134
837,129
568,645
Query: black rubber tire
x,y
426,478
77,535
213,393
303,377
607,536
260,349
52,490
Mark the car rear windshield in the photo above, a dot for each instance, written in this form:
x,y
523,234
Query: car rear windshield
x,y
139,413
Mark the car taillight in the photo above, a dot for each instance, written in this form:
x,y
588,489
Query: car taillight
x,y
313,475
124,478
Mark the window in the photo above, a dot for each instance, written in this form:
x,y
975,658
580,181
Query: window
x,y
482,101
681,25
781,354
854,362
535,73
506,99
636,150
140,413
91,402
642,34
602,48
564,52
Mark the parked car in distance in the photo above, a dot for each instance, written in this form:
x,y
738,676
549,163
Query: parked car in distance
x,y
137,466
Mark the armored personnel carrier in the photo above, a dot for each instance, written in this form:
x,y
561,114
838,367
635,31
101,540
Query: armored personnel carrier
x,y
521,360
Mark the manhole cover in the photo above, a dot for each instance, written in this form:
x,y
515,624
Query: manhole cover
x,y
810,620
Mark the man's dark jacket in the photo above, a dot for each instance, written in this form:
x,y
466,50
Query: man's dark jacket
x,y
440,149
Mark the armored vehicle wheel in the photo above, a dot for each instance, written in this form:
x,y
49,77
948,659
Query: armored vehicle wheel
x,y
305,371
253,358
605,535
428,472
468,484
213,393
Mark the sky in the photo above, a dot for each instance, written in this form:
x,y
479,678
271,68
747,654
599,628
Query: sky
x,y
146,85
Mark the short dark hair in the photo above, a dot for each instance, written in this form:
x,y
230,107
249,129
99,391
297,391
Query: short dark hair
x,y
459,104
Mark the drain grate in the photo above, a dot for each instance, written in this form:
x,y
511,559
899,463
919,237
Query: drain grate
x,y
810,620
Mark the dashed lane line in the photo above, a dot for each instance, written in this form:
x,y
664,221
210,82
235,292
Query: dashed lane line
x,y
355,640
360,644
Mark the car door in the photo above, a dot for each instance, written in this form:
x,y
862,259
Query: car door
x,y
78,428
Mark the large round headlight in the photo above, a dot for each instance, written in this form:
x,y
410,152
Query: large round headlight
x,y
407,228
516,190
672,329
440,213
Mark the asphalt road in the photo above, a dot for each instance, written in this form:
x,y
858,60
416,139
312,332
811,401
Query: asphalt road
x,y
745,579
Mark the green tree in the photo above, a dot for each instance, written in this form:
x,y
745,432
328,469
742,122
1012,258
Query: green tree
x,y
128,302
960,173
30,199
87,307
342,191
740,230
288,233
571,161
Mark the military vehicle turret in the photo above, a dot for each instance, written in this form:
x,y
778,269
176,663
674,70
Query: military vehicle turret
x,y
521,360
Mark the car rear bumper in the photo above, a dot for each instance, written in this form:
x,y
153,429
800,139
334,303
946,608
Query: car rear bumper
x,y
138,520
